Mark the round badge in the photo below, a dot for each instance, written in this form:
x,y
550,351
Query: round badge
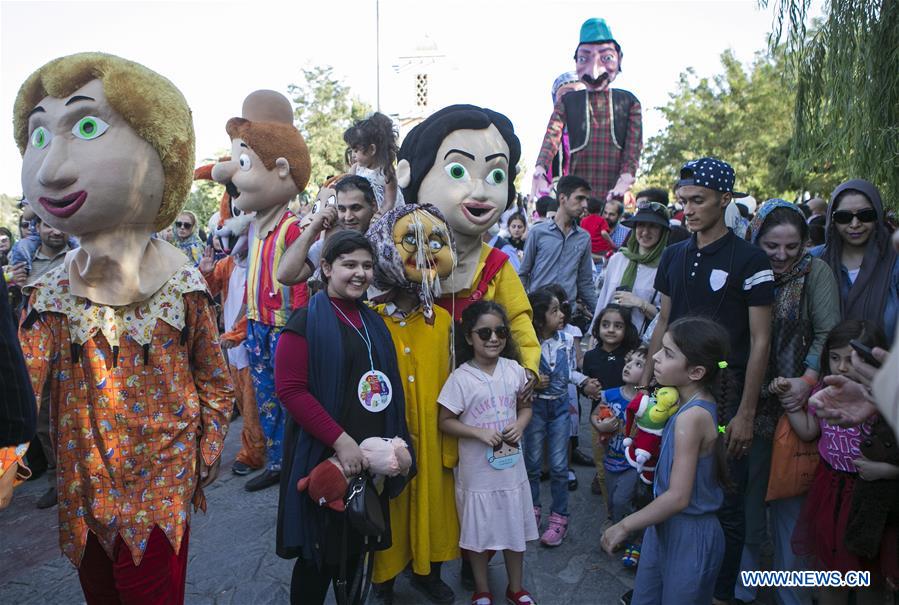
x,y
375,391
503,456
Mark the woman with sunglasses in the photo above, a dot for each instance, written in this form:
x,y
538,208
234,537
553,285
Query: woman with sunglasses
x,y
185,238
857,248
631,272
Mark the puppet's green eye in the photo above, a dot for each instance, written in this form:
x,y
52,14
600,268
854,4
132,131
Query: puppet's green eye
x,y
457,171
497,176
89,128
40,138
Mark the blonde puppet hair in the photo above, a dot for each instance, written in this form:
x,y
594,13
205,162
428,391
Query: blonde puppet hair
x,y
148,102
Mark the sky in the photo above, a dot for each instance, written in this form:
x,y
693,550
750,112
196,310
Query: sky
x,y
502,54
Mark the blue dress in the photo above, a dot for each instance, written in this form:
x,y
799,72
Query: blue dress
x,y
680,558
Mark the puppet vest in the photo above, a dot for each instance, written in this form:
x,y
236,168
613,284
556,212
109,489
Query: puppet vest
x,y
577,110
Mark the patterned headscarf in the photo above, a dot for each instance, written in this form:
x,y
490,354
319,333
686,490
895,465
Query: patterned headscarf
x,y
389,274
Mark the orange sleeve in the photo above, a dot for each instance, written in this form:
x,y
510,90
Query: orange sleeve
x,y
217,278
210,375
38,347
239,332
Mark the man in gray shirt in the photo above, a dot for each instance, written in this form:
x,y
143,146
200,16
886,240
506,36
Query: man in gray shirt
x,y
557,251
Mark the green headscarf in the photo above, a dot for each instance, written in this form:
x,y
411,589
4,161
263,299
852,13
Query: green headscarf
x,y
632,253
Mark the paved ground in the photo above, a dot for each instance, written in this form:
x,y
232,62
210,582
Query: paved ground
x,y
232,559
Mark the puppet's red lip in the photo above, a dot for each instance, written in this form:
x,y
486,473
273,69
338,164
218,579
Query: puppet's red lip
x,y
66,206
479,213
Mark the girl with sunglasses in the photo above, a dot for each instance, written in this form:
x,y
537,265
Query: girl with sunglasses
x,y
480,405
857,248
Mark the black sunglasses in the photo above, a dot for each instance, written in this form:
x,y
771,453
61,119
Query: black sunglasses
x,y
844,217
502,332
181,225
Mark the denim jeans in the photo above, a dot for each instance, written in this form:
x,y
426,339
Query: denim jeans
x,y
549,425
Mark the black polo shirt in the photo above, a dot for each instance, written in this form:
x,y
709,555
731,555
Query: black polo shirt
x,y
720,281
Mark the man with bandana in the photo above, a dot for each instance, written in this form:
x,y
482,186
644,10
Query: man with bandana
x,y
604,125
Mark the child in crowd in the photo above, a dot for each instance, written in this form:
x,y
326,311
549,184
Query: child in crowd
x,y
518,230
829,508
620,482
373,150
480,406
683,545
601,244
550,426
576,378
615,335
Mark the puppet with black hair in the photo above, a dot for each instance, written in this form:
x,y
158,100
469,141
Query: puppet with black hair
x,y
269,166
604,125
123,333
414,249
463,160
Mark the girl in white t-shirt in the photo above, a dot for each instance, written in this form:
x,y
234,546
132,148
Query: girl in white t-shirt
x,y
480,406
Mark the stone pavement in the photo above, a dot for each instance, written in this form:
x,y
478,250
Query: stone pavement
x,y
232,558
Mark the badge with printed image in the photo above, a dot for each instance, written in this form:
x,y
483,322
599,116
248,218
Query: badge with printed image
x,y
375,391
503,456
717,279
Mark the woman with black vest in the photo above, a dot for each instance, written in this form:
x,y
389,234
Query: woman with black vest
x,y
330,359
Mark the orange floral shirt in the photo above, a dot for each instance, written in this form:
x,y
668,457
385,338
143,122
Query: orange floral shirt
x,y
137,394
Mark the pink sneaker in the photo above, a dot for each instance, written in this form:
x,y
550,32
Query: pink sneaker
x,y
555,532
538,512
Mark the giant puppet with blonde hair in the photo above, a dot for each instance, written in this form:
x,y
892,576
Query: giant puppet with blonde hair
x,y
269,166
124,332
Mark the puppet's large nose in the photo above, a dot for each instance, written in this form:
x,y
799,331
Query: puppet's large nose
x,y
222,172
57,171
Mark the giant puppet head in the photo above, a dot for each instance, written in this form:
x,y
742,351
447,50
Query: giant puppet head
x,y
106,143
269,162
463,160
598,55
415,249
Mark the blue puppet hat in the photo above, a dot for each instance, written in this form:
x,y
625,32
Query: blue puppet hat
x,y
596,30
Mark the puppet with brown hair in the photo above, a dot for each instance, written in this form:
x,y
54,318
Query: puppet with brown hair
x,y
269,166
228,278
123,333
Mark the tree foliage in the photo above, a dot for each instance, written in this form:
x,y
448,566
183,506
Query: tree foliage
x,y
204,200
742,115
846,74
325,108
9,213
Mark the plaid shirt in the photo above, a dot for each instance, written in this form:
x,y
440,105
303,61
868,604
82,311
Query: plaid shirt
x,y
601,162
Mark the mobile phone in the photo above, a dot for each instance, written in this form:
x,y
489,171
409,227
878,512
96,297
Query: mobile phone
x,y
864,352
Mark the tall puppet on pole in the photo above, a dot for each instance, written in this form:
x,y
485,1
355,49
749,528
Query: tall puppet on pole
x,y
124,332
604,125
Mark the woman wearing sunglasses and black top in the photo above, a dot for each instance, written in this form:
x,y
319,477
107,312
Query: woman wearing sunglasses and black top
x,y
857,248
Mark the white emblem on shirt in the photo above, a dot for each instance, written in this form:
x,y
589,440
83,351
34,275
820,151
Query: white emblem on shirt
x,y
717,279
